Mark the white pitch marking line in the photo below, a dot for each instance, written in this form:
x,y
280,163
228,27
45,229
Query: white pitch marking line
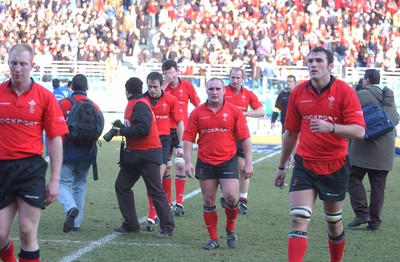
x,y
119,243
107,239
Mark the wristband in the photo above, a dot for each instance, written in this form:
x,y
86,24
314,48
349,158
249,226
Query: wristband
x,y
178,146
281,168
333,128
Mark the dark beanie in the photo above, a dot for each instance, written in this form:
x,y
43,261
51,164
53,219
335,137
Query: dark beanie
x,y
79,82
134,85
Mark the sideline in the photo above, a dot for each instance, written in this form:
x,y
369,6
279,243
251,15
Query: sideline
x,y
109,238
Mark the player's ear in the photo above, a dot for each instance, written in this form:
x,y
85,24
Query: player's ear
x,y
331,66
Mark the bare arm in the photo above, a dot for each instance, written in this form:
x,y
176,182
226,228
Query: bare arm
x,y
56,158
289,143
351,131
187,154
248,156
259,112
179,131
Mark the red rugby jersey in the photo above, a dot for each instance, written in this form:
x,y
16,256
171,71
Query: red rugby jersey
x,y
218,132
322,153
184,92
23,118
166,111
243,100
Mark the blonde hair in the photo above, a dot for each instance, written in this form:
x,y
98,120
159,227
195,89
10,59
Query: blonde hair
x,y
23,48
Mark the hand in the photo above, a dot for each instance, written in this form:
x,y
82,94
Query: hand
x,y
280,178
247,171
51,192
179,152
169,77
118,129
320,126
189,170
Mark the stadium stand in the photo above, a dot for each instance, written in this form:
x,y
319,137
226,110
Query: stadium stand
x,y
270,39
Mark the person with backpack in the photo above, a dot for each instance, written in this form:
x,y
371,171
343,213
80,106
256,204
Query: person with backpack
x,y
85,123
374,158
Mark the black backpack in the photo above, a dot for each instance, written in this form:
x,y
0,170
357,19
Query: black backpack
x,y
85,123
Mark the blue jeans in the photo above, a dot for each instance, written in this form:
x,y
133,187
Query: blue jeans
x,y
73,181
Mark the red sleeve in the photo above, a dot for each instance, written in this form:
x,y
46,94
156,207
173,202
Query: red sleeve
x,y
352,111
191,128
254,102
65,106
241,128
194,98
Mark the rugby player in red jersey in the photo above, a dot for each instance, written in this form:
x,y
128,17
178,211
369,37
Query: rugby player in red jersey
x,y
184,91
322,114
218,125
166,109
243,98
26,110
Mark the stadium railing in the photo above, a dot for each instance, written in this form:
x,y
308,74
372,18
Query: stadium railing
x,y
201,72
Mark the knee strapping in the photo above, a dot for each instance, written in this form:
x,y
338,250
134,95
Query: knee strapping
x,y
337,239
179,160
180,177
302,212
169,163
333,218
232,207
296,233
209,209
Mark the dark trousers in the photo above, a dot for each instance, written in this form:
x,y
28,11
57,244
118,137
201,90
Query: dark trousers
x,y
127,177
358,196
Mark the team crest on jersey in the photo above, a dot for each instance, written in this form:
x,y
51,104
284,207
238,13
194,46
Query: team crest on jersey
x,y
224,117
331,100
243,98
32,104
164,107
181,92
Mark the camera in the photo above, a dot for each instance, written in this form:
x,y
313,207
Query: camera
x,y
112,132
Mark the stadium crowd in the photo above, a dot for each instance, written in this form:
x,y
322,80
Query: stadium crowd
x,y
260,33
